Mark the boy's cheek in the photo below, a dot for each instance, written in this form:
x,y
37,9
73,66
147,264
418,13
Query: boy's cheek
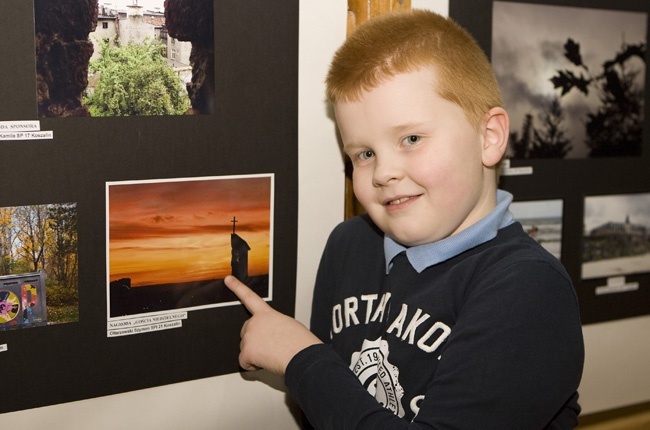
x,y
361,184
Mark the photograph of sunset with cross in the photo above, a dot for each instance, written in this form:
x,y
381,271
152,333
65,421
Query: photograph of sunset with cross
x,y
171,243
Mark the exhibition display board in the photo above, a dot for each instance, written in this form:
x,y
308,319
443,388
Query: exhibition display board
x,y
149,149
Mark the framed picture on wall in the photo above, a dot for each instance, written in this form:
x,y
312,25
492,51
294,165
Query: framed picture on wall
x,y
124,58
616,239
572,77
39,270
170,244
616,254
575,84
542,220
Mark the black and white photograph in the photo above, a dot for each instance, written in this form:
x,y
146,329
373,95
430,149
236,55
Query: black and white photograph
x,y
616,235
575,84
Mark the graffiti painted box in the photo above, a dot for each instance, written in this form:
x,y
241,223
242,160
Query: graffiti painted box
x,y
22,301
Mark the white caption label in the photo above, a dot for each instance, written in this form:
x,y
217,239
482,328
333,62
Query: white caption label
x,y
145,324
616,284
26,135
29,125
506,170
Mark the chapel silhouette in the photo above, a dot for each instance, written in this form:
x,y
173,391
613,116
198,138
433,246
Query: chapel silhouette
x,y
239,254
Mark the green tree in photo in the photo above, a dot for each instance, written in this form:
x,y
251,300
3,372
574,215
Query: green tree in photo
x,y
31,223
135,79
44,237
62,244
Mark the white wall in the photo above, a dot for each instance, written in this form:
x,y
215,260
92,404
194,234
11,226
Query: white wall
x,y
617,368
617,364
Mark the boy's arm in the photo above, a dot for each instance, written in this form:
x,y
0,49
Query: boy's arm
x,y
269,339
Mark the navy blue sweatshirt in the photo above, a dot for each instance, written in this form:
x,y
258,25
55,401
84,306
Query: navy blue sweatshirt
x,y
487,339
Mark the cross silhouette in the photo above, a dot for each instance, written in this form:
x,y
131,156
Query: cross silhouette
x,y
234,220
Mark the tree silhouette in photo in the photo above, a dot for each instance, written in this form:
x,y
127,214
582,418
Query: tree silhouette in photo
x,y
615,127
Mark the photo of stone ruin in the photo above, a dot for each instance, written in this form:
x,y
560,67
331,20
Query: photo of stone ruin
x,y
124,57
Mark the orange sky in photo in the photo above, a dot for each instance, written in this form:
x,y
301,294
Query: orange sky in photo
x,y
168,232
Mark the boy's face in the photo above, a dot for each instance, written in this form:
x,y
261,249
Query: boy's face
x,y
418,163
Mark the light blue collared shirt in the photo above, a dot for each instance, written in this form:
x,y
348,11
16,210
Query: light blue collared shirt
x,y
428,254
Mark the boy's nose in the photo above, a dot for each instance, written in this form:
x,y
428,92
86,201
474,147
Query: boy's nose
x,y
386,171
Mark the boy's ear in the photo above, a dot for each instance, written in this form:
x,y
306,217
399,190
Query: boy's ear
x,y
495,136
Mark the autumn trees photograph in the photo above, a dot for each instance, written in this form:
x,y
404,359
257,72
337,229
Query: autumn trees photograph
x,y
44,238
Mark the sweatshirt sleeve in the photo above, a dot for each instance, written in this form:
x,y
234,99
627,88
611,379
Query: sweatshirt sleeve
x,y
515,355
318,379
329,393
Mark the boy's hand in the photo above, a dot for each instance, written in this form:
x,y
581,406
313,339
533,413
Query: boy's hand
x,y
269,339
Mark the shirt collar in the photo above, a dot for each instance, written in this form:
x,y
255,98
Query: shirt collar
x,y
428,254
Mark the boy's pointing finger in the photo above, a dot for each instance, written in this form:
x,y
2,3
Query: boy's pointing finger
x,y
269,339
252,301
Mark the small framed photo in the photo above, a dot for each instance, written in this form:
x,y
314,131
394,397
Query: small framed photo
x,y
170,243
542,220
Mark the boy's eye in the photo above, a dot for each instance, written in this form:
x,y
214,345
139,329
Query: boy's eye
x,y
364,155
411,139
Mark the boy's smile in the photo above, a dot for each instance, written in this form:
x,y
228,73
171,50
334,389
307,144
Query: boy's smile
x,y
421,170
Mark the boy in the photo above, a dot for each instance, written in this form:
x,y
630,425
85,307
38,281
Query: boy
x,y
436,310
